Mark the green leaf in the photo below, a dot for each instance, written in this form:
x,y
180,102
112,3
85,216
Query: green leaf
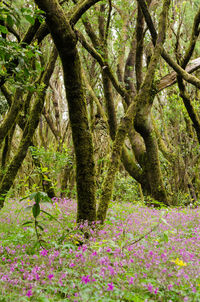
x,y
3,29
48,214
10,20
165,237
32,196
36,210
30,19
27,223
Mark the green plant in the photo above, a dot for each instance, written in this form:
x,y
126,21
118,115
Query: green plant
x,y
52,162
38,197
125,189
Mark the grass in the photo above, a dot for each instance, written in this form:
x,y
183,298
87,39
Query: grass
x,y
140,254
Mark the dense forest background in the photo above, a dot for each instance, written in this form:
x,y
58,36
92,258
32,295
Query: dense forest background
x,y
99,100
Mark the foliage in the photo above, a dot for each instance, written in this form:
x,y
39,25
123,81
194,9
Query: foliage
x,y
52,162
16,56
38,197
12,53
125,188
55,160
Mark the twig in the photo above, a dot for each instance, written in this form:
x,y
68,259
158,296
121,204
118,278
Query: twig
x,y
143,236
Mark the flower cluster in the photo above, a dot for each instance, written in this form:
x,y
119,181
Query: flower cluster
x,y
116,263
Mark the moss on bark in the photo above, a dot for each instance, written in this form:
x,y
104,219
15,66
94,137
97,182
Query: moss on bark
x,y
28,133
143,95
65,41
82,138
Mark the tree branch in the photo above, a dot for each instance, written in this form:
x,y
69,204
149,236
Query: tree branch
x,y
81,9
171,78
103,64
186,76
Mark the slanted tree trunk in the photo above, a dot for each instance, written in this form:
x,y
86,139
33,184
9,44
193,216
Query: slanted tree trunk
x,y
21,121
65,41
31,125
143,94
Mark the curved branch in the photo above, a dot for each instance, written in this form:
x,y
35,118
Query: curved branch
x,y
123,92
193,40
185,75
81,9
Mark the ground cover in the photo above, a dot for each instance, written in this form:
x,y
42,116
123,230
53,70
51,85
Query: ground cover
x,y
140,254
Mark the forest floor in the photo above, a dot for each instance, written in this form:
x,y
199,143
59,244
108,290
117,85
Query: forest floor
x,y
140,254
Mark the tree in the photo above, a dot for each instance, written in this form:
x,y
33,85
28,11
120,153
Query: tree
x,y
65,41
109,53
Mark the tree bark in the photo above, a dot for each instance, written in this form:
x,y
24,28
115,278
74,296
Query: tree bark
x,y
65,41
31,125
143,94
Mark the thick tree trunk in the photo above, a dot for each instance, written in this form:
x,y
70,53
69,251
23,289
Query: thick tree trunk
x,y
65,41
143,94
143,125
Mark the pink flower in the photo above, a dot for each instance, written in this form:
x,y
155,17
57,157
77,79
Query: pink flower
x,y
156,291
110,286
44,252
50,276
86,279
29,293
131,280
150,287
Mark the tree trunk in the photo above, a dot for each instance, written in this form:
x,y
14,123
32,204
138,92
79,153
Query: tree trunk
x,y
31,125
143,125
143,95
65,41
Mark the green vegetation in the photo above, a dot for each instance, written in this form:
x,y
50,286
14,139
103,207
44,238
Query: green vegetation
x,y
99,140
140,254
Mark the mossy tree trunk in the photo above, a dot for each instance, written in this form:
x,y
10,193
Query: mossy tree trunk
x,y
136,161
21,121
65,41
143,125
99,42
29,130
143,95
